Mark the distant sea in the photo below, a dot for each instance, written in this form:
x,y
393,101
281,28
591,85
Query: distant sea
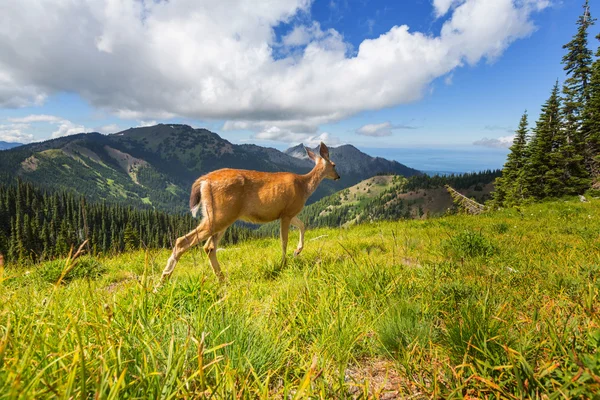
x,y
444,160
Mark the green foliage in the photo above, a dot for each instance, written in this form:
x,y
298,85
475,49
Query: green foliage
x,y
477,334
404,325
563,155
509,188
469,244
83,267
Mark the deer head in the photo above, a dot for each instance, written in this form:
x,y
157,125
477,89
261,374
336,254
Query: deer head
x,y
323,162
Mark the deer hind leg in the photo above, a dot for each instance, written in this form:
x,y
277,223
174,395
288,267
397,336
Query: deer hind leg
x,y
285,227
182,244
300,225
211,249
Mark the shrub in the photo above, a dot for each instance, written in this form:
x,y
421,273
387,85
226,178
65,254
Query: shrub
x,y
502,227
85,267
477,334
469,244
403,325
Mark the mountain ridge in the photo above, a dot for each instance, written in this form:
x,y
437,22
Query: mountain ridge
x,y
156,165
9,145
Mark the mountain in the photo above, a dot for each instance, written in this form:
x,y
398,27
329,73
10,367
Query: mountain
x,y
351,161
9,145
156,165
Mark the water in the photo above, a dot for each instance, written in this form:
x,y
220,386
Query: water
x,y
444,160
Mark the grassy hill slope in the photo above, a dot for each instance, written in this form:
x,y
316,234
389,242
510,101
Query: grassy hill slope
x,y
392,197
501,305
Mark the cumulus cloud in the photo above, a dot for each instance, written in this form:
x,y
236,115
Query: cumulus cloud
x,y
441,7
67,128
217,59
142,124
499,128
14,133
277,134
110,128
380,130
36,118
63,127
503,142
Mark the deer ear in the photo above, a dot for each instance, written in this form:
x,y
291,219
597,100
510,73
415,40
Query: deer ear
x,y
310,154
324,151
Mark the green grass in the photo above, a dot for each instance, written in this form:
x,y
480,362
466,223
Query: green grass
x,y
501,305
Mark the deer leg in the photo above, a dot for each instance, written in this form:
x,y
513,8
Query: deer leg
x,y
285,227
182,244
211,249
300,225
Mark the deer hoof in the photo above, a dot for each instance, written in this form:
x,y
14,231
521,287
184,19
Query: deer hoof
x,y
297,252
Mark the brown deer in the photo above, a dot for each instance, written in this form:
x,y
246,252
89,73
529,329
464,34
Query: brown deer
x,y
228,195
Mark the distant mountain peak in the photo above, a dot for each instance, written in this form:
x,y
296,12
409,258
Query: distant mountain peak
x,y
298,152
9,145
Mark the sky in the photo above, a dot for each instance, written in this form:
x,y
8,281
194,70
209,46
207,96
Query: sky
x,y
444,75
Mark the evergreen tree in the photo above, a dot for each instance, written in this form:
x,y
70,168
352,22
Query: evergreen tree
x,y
509,188
591,121
576,90
541,171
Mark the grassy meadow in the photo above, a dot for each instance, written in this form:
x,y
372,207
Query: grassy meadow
x,y
501,305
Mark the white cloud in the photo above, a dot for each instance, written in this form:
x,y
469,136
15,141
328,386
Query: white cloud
x,y
14,133
380,130
216,59
441,7
376,130
64,126
499,128
67,128
142,124
36,118
503,142
110,128
277,134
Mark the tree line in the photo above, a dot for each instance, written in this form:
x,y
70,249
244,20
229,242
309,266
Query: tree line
x,y
561,154
38,225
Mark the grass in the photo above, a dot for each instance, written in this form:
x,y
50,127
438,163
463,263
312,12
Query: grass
x,y
501,305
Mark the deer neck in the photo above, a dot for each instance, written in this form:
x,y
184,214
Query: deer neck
x,y
313,179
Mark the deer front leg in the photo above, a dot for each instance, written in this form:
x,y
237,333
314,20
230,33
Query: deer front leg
x,y
300,225
285,227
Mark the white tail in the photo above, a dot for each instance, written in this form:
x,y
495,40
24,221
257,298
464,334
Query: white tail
x,y
228,195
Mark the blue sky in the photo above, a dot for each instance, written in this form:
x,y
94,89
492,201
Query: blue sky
x,y
282,96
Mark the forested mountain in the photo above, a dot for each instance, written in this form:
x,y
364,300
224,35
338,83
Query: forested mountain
x,y
8,145
156,165
393,197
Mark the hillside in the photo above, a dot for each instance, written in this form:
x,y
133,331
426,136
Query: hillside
x,y
156,165
393,197
501,305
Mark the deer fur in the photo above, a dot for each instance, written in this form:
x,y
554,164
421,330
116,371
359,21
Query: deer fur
x,y
228,195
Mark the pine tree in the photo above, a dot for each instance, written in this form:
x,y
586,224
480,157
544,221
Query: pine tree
x,y
509,188
591,121
541,172
576,90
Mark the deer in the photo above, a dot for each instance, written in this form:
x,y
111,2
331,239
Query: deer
x,y
228,195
